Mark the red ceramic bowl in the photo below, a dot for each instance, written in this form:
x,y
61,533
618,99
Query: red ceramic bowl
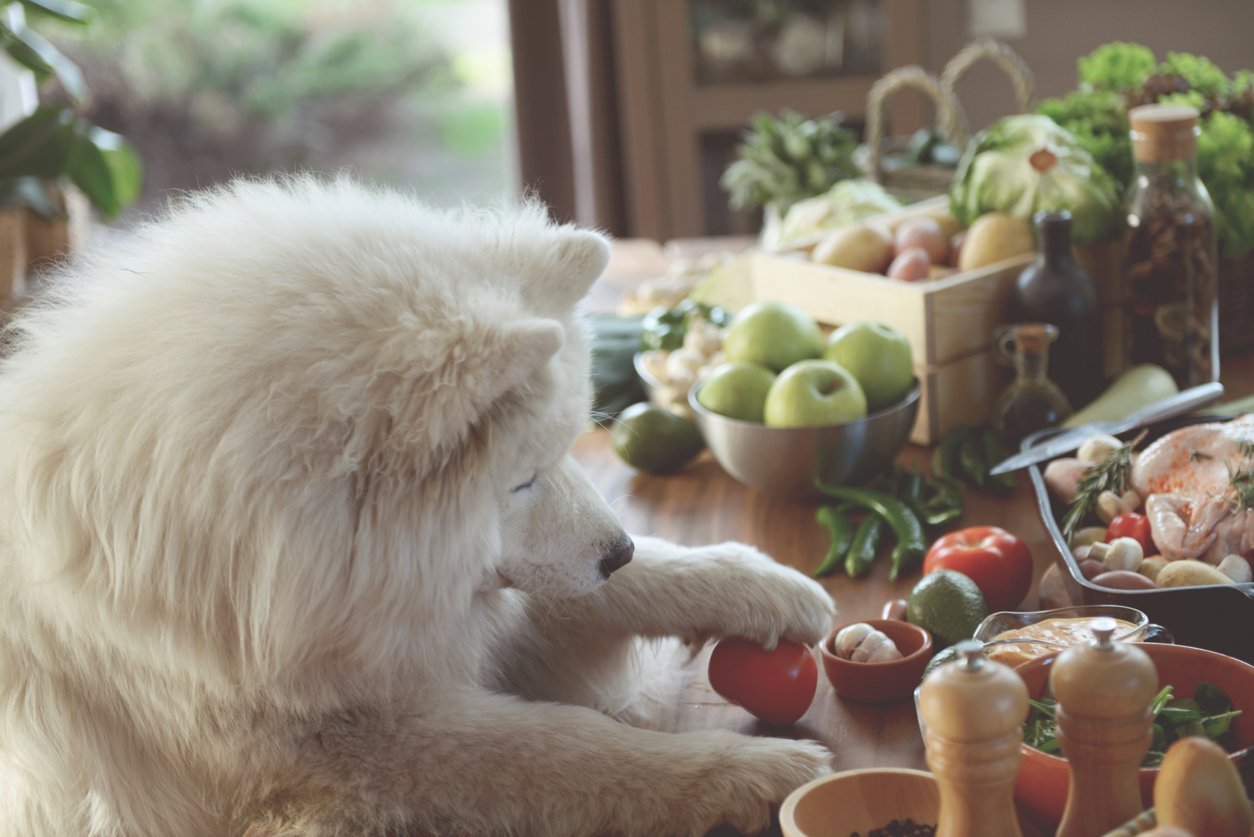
x,y
1041,787
880,682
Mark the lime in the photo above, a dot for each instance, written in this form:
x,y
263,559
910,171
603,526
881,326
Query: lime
x,y
650,438
947,603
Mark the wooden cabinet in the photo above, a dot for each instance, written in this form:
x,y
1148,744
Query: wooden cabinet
x,y
691,73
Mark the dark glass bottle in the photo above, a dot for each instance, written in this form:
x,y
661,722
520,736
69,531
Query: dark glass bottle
x,y
1055,289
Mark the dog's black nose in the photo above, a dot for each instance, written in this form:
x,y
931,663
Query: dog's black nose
x,y
618,556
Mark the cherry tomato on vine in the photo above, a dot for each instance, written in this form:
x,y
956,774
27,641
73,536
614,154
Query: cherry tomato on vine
x,y
1135,526
776,686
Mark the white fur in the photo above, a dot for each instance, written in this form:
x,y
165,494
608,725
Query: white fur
x,y
270,568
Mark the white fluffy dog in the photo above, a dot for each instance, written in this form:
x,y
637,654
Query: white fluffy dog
x,y
291,543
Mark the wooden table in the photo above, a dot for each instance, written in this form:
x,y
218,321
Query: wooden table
x,y
703,505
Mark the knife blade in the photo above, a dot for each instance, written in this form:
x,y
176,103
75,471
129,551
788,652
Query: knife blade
x,y
1178,404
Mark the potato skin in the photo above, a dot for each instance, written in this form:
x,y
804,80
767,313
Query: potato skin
x,y
1123,580
864,247
994,238
1189,573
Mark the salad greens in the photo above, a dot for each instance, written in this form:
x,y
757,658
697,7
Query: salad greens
x,y
1208,713
1118,76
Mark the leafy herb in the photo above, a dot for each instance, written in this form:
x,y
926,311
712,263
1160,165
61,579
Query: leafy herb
x,y
1208,714
789,158
1111,474
1242,482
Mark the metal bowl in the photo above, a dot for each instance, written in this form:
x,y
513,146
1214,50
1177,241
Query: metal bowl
x,y
787,461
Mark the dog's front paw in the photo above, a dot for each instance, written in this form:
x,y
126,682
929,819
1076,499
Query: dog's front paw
x,y
765,601
761,772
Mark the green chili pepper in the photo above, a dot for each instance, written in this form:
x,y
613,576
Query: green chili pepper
x,y
941,502
945,457
866,542
833,519
905,525
993,454
971,455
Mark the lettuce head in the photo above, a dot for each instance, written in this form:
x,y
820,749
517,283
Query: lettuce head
x,y
1024,164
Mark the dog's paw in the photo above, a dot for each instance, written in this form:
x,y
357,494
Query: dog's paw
x,y
765,601
761,772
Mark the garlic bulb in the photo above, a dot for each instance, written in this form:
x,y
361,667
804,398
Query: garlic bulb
x,y
861,643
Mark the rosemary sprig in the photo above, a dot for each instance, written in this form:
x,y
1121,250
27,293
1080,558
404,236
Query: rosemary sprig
x,y
1242,482
1111,474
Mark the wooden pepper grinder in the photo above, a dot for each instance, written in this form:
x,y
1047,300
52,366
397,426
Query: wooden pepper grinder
x,y
974,711
1104,690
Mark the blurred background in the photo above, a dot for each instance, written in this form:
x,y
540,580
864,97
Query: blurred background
x,y
619,113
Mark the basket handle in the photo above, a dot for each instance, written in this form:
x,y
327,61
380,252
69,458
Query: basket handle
x,y
1021,78
950,121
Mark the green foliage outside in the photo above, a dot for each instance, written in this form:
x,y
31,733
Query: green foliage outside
x,y
207,89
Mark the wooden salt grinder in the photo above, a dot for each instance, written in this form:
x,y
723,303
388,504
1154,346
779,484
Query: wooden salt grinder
x,y
1104,690
974,711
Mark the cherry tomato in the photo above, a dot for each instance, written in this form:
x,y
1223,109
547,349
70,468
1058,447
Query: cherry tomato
x,y
776,686
1135,526
999,563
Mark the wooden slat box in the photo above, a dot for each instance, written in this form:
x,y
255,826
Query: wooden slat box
x,y
949,322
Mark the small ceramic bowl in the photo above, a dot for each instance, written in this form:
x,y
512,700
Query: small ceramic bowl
x,y
786,461
1041,786
880,682
859,801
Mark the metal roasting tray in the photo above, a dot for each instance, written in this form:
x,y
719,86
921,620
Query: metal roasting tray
x,y
1217,617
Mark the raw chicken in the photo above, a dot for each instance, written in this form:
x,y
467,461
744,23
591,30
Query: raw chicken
x,y
1186,478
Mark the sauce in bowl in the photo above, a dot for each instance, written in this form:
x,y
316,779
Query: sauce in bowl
x,y
1045,637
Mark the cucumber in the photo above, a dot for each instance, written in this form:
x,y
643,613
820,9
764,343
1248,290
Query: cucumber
x,y
1138,387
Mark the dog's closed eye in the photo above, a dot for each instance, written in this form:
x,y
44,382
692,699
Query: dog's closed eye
x,y
524,486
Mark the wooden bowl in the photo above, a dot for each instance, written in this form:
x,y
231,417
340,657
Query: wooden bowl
x,y
1041,786
859,800
880,682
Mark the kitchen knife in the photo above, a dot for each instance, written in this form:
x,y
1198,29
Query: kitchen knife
x,y
1067,441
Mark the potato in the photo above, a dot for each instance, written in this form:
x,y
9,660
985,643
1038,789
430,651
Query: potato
x,y
911,265
1190,573
994,238
1091,569
1236,568
1123,580
1152,566
1088,536
1053,591
865,247
1199,789
1062,477
922,232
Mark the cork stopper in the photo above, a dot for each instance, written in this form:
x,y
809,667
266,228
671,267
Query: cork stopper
x,y
1163,133
973,699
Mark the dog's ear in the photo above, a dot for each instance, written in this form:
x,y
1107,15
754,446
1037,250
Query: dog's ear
x,y
576,260
513,355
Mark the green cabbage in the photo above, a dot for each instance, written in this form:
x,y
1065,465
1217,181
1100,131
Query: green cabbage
x,y
847,202
1021,165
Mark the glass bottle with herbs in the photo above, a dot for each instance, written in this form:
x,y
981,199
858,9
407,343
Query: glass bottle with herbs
x,y
1055,289
1172,312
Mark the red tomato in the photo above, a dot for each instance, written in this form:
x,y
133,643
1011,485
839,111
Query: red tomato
x,y
1135,526
777,686
999,563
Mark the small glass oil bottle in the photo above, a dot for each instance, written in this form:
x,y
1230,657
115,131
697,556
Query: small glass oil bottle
x,y
1032,402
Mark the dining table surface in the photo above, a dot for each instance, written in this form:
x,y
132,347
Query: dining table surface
x,y
702,505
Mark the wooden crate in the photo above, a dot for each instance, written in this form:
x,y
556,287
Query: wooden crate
x,y
958,391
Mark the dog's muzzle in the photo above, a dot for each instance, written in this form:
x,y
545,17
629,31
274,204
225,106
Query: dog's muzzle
x,y
617,556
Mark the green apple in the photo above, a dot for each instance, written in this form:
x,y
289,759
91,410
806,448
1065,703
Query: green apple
x,y
737,390
772,334
878,356
814,393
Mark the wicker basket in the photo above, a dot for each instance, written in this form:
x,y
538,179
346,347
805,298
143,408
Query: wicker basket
x,y
928,179
918,181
